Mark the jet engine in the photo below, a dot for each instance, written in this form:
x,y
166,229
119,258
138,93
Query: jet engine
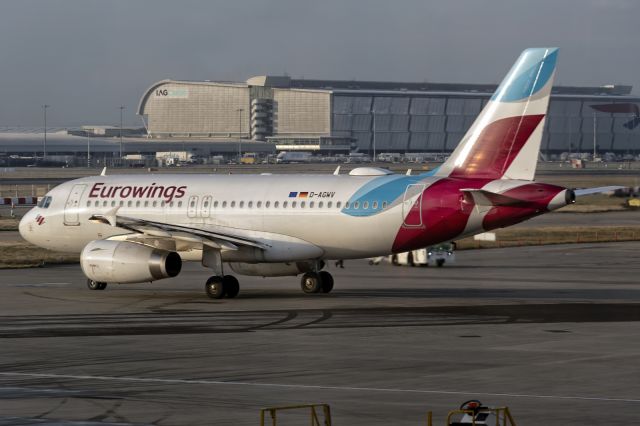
x,y
126,262
272,269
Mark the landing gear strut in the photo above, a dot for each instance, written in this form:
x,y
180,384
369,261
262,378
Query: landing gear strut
x,y
218,287
95,285
316,282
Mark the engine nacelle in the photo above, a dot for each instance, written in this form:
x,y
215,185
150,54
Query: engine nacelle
x,y
125,262
272,269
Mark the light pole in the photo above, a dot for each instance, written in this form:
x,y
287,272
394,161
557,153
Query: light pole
x,y
44,149
240,111
594,136
121,110
374,137
88,150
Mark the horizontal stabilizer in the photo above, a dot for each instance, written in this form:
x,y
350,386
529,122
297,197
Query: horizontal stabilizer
x,y
481,197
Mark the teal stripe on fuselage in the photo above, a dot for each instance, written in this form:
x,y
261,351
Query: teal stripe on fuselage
x,y
384,188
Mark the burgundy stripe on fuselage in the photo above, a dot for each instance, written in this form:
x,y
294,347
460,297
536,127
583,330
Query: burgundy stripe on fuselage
x,y
497,146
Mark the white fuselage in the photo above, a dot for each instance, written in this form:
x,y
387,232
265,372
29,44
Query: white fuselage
x,y
324,224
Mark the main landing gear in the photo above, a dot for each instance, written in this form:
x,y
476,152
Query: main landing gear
x,y
95,285
316,282
218,287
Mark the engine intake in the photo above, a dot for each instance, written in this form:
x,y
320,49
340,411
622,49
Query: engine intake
x,y
126,262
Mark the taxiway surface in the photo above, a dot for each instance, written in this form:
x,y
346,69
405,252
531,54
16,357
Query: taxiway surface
x,y
552,332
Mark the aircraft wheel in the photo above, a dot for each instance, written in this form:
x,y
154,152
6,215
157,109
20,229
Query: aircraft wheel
x,y
326,281
215,287
310,283
394,260
95,285
231,286
410,260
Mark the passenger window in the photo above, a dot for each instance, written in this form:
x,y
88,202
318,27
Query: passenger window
x,y
365,205
346,205
267,204
146,204
329,203
191,204
339,204
170,203
215,204
129,203
224,204
284,204
302,203
233,204
96,203
375,205
104,203
241,204
206,204
259,204
161,203
320,204
356,205
384,204
88,204
179,203
293,204
250,204
310,204
276,204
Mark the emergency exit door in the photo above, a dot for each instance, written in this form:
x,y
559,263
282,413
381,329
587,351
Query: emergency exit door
x,y
72,207
412,205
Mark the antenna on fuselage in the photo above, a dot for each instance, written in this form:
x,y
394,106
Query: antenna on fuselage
x,y
103,172
337,171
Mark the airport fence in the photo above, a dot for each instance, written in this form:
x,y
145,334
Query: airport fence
x,y
544,236
27,190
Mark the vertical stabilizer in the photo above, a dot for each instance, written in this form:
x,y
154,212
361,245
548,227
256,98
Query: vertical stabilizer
x,y
504,141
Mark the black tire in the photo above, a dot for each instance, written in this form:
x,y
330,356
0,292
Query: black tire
x,y
215,287
440,262
326,282
394,259
310,283
95,285
231,286
410,259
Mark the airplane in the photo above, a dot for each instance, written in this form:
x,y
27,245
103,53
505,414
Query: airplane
x,y
134,229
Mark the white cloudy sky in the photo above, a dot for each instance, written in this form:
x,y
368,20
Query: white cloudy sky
x,y
87,57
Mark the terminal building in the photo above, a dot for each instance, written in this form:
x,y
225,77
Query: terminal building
x,y
334,116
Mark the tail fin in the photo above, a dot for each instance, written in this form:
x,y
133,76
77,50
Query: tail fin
x,y
504,141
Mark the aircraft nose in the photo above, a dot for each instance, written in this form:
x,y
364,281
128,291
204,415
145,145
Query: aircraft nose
x,y
25,227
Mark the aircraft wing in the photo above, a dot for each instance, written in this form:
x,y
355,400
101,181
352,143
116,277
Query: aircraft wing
x,y
218,240
598,190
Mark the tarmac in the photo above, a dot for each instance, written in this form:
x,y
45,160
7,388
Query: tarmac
x,y
549,331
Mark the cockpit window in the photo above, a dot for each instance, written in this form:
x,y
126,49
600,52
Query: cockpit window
x,y
44,202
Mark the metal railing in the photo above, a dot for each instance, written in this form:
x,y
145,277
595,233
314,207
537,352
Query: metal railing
x,y
314,410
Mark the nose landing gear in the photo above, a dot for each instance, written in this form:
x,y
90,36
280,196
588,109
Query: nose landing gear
x,y
95,285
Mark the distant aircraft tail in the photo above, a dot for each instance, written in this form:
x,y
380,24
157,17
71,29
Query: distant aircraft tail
x,y
504,141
